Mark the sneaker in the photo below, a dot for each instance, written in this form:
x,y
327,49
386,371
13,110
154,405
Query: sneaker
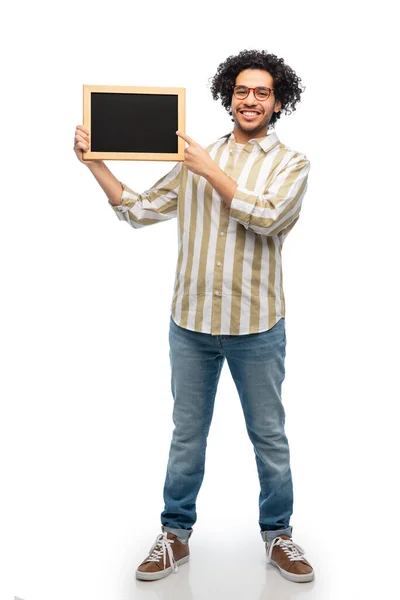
x,y
283,553
167,552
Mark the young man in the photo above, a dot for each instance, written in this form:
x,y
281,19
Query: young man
x,y
236,202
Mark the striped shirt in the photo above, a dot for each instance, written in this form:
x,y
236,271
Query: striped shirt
x,y
228,278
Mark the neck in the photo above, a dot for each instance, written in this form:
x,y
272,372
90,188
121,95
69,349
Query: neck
x,y
242,137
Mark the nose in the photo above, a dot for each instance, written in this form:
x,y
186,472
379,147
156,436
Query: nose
x,y
251,99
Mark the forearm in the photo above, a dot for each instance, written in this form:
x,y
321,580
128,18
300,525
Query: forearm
x,y
110,184
221,182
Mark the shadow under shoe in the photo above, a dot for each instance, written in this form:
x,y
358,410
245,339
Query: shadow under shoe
x,y
164,557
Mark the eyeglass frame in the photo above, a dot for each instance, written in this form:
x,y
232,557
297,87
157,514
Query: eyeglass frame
x,y
254,91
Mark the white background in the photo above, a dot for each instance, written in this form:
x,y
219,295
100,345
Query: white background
x,y
86,408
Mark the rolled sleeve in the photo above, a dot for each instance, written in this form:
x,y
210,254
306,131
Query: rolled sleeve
x,y
156,205
126,202
278,207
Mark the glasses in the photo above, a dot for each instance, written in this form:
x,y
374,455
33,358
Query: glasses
x,y
260,93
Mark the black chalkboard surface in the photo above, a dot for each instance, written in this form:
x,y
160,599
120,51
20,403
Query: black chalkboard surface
x,y
134,123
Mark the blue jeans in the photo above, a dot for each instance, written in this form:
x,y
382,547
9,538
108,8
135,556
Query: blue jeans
x,y
257,364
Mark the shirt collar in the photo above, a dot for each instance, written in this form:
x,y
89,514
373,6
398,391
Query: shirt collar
x,y
265,143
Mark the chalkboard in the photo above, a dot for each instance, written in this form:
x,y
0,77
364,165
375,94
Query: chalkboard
x,y
134,123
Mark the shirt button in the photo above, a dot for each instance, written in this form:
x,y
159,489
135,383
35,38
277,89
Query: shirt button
x,y
222,233
230,151
219,263
217,293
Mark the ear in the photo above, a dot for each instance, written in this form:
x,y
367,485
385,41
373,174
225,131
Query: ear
x,y
278,106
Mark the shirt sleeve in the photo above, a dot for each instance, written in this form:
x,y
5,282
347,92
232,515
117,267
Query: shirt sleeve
x,y
157,204
278,208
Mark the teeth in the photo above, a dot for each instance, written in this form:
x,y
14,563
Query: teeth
x,y
249,114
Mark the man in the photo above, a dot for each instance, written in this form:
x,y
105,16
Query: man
x,y
236,202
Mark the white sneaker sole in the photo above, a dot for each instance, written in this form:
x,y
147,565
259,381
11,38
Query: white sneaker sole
x,y
159,574
293,576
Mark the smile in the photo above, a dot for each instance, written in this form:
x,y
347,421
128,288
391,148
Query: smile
x,y
249,114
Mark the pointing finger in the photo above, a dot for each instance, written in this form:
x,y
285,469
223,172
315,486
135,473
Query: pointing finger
x,y
186,138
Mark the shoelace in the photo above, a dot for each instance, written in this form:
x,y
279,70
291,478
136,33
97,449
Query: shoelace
x,y
293,551
164,545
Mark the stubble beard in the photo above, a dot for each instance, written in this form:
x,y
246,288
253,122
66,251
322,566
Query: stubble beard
x,y
249,128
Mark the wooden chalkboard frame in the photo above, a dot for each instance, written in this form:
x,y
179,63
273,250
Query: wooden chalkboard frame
x,y
126,89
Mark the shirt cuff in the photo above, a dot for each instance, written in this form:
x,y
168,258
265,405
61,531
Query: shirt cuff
x,y
126,203
243,205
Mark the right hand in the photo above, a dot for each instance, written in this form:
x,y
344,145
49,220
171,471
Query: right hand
x,y
82,144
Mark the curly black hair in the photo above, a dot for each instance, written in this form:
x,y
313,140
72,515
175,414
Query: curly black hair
x,y
286,82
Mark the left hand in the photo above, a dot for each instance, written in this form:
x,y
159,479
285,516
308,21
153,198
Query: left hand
x,y
197,159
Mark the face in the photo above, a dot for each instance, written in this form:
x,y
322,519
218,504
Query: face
x,y
252,116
